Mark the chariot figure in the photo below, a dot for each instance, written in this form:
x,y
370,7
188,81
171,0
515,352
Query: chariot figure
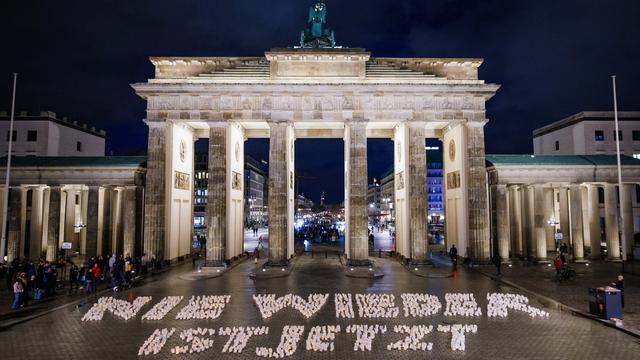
x,y
315,36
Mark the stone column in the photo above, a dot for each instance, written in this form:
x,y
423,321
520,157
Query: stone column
x,y
540,223
117,233
104,229
129,220
576,233
549,212
154,201
278,191
53,229
515,218
417,180
611,222
529,230
563,218
14,223
502,221
594,221
626,210
477,193
70,220
217,194
356,165
84,207
35,231
91,231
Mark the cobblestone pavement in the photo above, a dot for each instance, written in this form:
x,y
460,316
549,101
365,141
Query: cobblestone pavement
x,y
540,279
62,334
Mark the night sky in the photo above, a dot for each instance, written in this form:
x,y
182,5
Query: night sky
x,y
552,58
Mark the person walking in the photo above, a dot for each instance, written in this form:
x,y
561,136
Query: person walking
x,y
497,261
453,254
18,290
73,277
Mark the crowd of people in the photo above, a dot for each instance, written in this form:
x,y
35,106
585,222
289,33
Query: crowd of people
x,y
30,280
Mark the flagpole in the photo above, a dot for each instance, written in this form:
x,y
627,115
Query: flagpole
x,y
615,116
5,205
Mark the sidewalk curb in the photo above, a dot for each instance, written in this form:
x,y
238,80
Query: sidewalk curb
x,y
555,304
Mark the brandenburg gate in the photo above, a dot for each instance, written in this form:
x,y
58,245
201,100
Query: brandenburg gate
x,y
294,93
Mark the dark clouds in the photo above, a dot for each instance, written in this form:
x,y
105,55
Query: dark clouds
x,y
552,58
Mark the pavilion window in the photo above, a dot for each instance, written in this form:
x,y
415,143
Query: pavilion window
x,y
599,135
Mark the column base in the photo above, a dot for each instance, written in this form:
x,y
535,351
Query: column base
x,y
369,270
359,263
614,260
542,261
580,261
277,263
271,270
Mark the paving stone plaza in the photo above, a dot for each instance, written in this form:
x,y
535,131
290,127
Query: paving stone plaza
x,y
63,335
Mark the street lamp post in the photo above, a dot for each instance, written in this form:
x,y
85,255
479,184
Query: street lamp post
x,y
5,205
624,239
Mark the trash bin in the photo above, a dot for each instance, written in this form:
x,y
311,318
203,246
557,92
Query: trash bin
x,y
606,302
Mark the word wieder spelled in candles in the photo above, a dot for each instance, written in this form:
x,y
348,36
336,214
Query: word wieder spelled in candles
x,y
270,304
499,304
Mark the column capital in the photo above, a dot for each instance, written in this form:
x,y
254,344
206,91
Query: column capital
x,y
155,123
356,122
477,123
279,122
217,123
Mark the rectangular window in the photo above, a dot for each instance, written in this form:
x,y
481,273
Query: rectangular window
x,y
14,137
79,146
635,134
599,135
557,145
32,135
619,134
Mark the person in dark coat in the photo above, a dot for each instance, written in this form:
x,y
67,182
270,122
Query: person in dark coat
x,y
620,286
453,254
497,261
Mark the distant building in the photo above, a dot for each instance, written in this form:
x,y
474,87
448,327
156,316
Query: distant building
x,y
304,204
45,134
201,179
255,188
589,133
380,194
434,191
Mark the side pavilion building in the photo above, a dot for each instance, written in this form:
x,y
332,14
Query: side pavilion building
x,y
535,196
295,93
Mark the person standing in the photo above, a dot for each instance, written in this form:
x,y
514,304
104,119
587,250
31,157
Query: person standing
x,y
620,286
557,263
73,277
95,277
18,290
